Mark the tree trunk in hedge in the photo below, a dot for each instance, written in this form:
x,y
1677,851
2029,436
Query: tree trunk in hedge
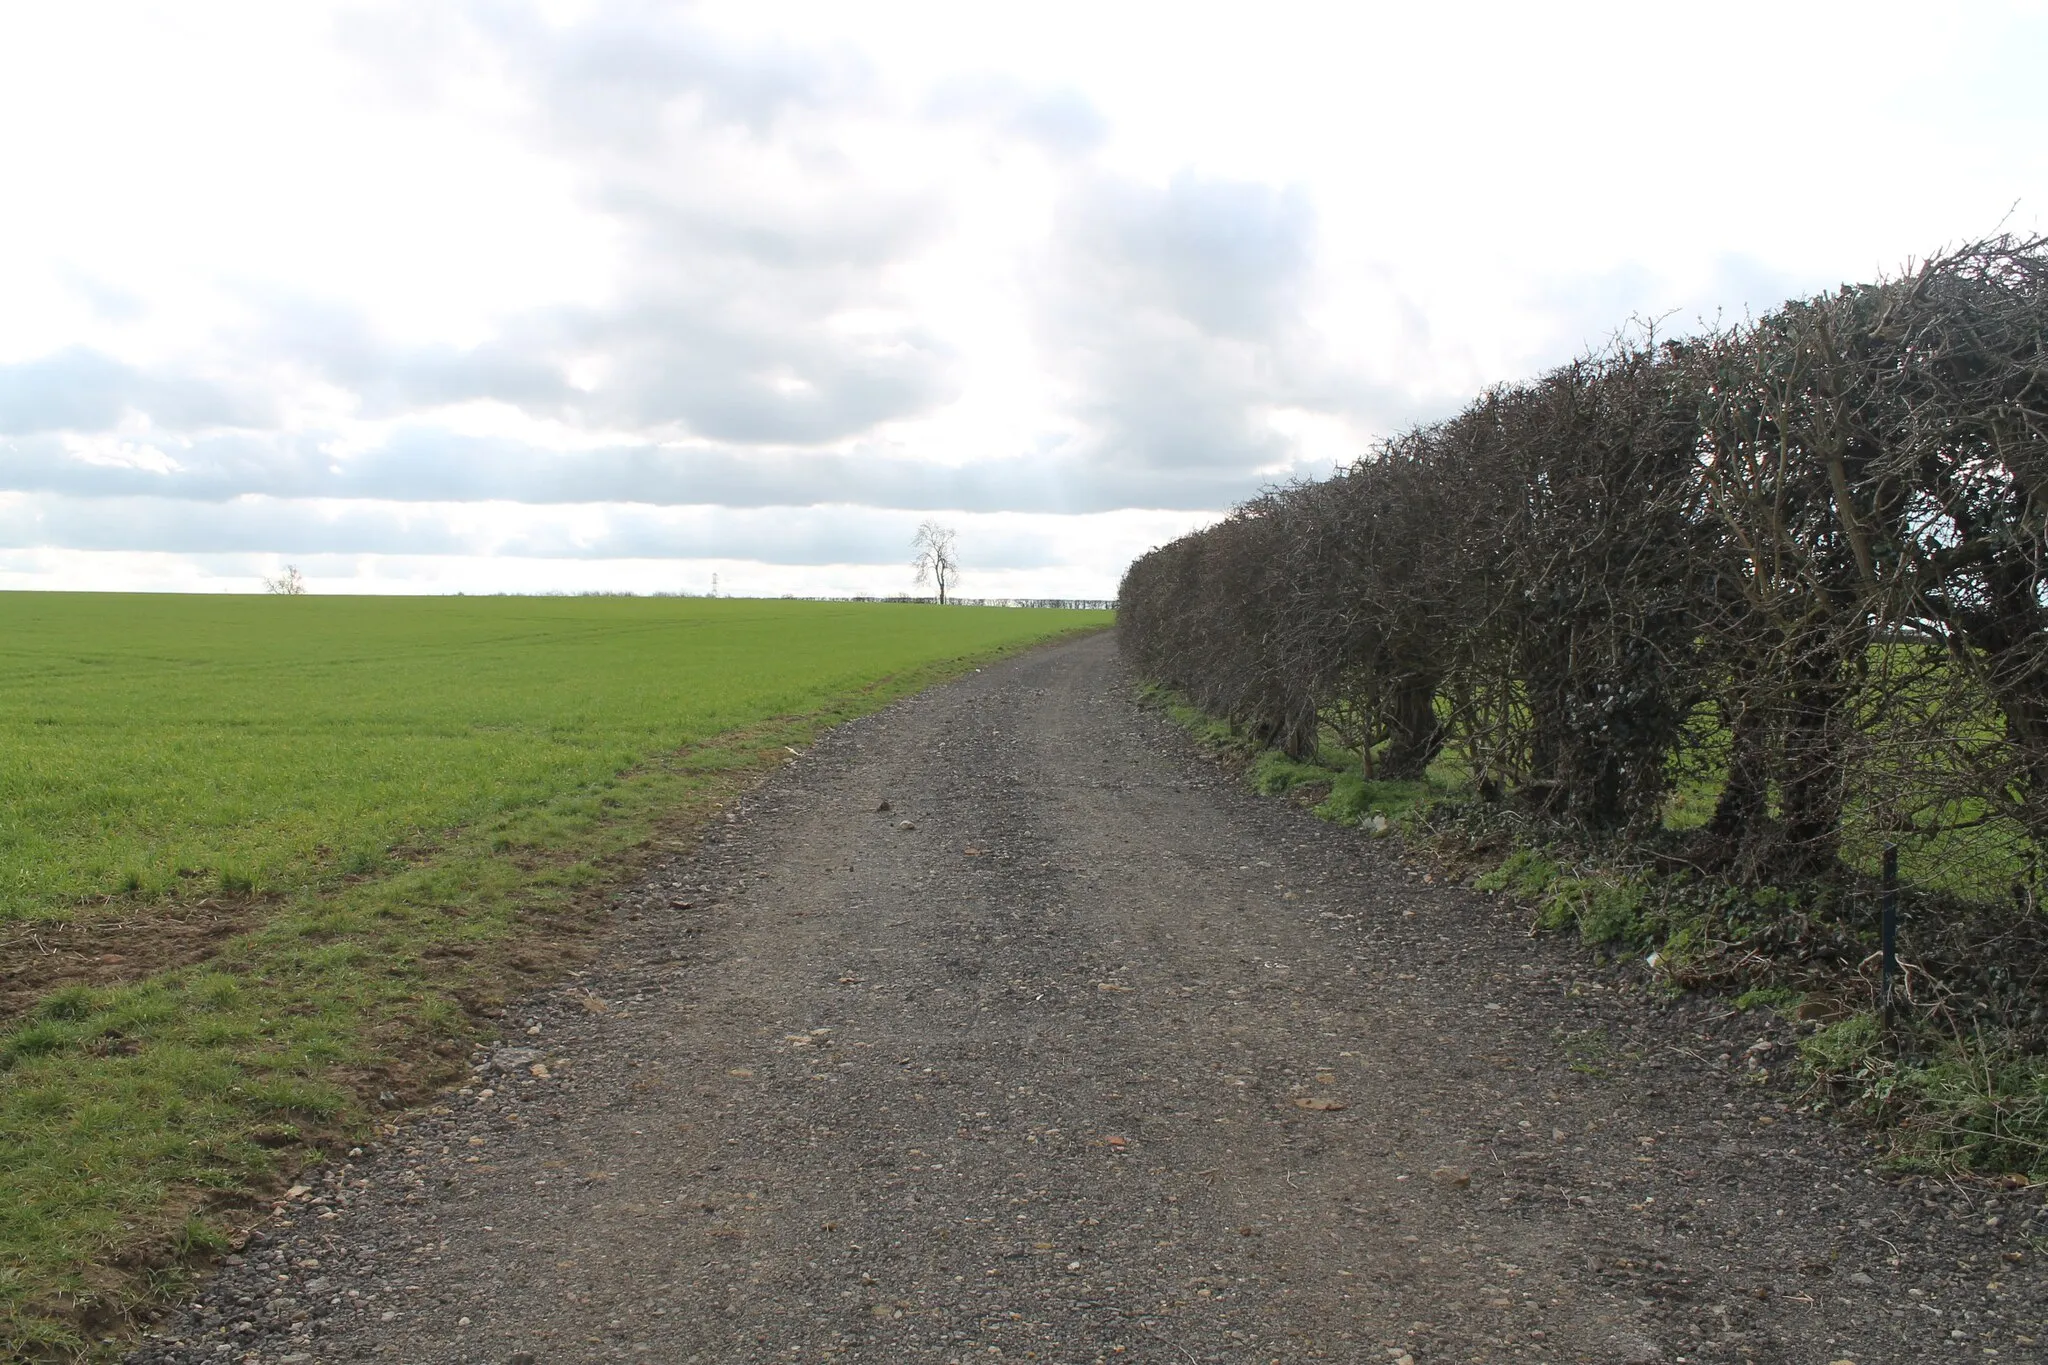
x,y
1300,731
1416,734
1744,806
1810,785
2018,673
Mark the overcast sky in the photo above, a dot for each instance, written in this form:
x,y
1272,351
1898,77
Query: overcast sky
x,y
532,296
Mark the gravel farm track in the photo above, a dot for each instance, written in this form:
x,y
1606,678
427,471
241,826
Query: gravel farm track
x,y
1078,1052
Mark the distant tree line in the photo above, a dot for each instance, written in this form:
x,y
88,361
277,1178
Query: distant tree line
x,y
1060,603
1800,559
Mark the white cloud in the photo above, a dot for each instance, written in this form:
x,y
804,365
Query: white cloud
x,y
550,285
119,542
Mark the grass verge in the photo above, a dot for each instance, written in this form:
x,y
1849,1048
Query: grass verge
x,y
1958,1081
143,1124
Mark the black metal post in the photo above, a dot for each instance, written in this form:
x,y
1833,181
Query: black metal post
x,y
1888,932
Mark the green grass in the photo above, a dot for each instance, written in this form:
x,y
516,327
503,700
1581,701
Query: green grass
x,y
420,804
1967,1101
160,744
1335,776
1210,731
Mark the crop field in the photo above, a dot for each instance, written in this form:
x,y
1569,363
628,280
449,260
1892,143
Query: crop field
x,y
158,745
266,860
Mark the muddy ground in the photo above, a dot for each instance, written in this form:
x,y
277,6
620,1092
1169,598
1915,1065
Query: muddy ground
x,y
1078,1052
103,946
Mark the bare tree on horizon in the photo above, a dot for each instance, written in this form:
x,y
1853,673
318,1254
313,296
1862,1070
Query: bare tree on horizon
x,y
937,563
290,583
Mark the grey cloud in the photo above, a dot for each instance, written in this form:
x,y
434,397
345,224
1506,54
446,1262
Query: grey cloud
x,y
1176,313
819,247
721,366
85,391
749,230
783,379
1172,314
1162,396
388,380
423,464
74,390
795,536
109,301
615,75
1231,257
620,72
1061,120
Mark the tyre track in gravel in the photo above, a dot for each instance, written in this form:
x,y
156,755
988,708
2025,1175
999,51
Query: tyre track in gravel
x,y
1103,1060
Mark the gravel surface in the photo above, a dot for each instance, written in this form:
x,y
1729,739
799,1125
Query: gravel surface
x,y
1077,1052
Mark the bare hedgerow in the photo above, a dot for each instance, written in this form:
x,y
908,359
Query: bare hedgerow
x,y
1801,558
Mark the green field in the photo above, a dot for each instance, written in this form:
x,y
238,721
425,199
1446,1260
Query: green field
x,y
157,744
409,809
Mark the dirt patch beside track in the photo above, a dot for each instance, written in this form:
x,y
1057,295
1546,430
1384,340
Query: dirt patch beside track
x,y
105,947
